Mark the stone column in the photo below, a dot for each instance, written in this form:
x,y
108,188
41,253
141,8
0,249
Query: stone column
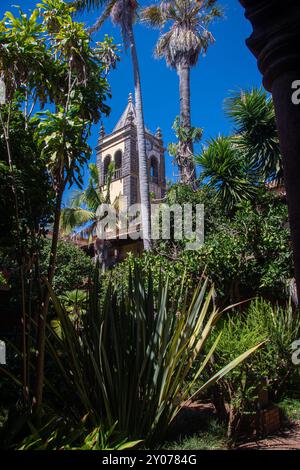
x,y
275,42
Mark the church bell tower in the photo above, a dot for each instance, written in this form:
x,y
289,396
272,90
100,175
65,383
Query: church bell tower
x,y
120,147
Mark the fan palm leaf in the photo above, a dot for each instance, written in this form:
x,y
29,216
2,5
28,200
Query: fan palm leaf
x,y
186,38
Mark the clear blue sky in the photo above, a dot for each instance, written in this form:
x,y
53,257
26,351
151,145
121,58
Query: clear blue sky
x,y
227,66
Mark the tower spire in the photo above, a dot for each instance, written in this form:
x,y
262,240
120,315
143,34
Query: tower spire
x,y
102,131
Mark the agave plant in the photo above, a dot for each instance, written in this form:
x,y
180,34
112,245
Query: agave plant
x,y
130,361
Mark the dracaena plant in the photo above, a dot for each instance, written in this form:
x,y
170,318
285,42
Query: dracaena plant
x,y
132,361
62,136
47,61
23,61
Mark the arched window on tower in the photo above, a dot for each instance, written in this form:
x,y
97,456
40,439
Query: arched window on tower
x,y
118,164
106,163
153,169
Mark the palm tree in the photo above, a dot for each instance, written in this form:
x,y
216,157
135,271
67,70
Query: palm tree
x,y
224,169
123,13
81,213
181,46
256,133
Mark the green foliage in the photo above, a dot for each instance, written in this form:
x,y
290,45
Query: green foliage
x,y
129,361
225,170
35,197
82,210
73,266
62,140
256,134
74,301
2,280
62,434
291,408
245,255
270,369
108,51
212,438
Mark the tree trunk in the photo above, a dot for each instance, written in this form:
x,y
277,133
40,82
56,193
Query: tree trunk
x,y
141,140
185,160
38,397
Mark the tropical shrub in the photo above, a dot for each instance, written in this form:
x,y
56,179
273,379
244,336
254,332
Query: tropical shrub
x,y
73,266
271,370
130,360
243,256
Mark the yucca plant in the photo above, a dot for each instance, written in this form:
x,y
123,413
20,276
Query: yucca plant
x,y
130,361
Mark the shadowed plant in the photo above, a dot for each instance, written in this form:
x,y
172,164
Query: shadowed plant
x,y
129,361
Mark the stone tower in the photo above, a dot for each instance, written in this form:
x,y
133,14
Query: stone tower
x,y
120,147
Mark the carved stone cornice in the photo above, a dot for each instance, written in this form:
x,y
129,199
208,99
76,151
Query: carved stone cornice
x,y
275,40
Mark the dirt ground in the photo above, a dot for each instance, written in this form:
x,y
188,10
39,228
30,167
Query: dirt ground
x,y
287,438
196,415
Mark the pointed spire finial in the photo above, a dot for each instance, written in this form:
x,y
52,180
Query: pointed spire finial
x,y
102,131
130,98
130,117
158,133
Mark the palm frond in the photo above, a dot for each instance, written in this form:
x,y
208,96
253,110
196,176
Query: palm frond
x,y
104,16
255,126
72,217
153,16
88,5
224,168
94,174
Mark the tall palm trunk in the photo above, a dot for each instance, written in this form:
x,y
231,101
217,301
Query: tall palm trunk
x,y
141,140
185,159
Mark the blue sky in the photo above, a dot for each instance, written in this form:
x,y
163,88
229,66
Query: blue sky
x,y
227,66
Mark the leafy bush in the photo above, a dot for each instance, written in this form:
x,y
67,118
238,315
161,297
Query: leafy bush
x,y
271,369
130,360
73,266
245,255
291,408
